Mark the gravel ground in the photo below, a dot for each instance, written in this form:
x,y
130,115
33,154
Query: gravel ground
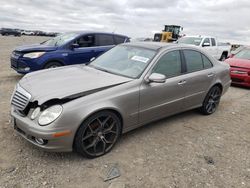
x,y
186,150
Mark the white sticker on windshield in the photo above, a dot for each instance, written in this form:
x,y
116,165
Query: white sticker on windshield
x,y
140,58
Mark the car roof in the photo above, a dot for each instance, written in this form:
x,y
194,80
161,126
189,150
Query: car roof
x,y
95,32
199,36
158,45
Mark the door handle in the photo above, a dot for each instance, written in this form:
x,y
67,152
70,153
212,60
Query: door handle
x,y
210,75
181,82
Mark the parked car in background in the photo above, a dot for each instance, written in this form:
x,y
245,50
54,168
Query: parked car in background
x,y
27,32
240,67
237,50
209,44
66,49
87,108
8,31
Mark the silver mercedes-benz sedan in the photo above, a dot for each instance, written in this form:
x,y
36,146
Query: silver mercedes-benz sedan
x,y
87,107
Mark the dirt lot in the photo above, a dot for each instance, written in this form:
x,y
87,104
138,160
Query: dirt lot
x,y
187,150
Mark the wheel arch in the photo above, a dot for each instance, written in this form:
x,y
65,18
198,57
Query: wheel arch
x,y
215,84
219,85
224,53
53,60
114,110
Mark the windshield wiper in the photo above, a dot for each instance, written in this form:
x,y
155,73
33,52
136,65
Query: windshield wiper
x,y
101,69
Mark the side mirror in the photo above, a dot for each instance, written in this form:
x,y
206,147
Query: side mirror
x,y
157,78
74,46
205,44
92,59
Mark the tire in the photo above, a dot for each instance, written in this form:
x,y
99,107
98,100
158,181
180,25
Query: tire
x,y
53,64
98,134
211,101
223,57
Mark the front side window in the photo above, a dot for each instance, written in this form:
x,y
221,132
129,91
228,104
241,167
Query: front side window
x,y
193,60
206,42
104,40
86,41
169,64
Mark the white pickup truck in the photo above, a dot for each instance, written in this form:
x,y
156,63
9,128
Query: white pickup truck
x,y
209,44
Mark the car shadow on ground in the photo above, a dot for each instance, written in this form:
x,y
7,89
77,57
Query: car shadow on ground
x,y
240,87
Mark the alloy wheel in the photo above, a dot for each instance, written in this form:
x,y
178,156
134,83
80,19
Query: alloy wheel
x,y
100,134
213,100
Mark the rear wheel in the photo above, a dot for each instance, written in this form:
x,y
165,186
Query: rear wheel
x,y
223,57
211,101
98,134
51,65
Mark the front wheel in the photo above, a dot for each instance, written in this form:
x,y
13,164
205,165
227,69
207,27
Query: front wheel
x,y
52,65
98,134
211,101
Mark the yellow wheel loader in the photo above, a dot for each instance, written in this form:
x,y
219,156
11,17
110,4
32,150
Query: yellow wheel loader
x,y
169,34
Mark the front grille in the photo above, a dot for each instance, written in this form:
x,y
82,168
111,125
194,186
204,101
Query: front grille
x,y
14,63
237,80
20,98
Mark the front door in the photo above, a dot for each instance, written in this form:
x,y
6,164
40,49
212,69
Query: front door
x,y
85,50
158,100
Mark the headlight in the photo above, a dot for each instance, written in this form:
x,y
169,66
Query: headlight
x,y
35,113
50,114
33,55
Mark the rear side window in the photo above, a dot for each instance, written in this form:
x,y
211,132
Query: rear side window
x,y
104,40
193,60
213,41
119,39
169,64
207,63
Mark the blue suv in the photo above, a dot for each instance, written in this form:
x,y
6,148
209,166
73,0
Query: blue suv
x,y
66,49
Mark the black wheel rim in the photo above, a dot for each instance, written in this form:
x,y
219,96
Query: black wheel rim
x,y
213,100
100,135
52,66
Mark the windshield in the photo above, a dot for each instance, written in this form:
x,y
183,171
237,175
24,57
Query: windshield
x,y
61,39
190,40
126,61
243,54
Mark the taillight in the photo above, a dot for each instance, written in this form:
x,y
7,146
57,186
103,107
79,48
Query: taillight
x,y
249,73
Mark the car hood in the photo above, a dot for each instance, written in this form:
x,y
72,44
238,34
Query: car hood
x,y
68,82
35,48
235,62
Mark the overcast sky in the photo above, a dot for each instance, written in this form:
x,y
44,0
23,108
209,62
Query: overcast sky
x,y
229,20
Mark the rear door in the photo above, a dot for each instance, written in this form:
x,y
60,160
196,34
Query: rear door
x,y
214,49
199,77
120,39
103,43
158,100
